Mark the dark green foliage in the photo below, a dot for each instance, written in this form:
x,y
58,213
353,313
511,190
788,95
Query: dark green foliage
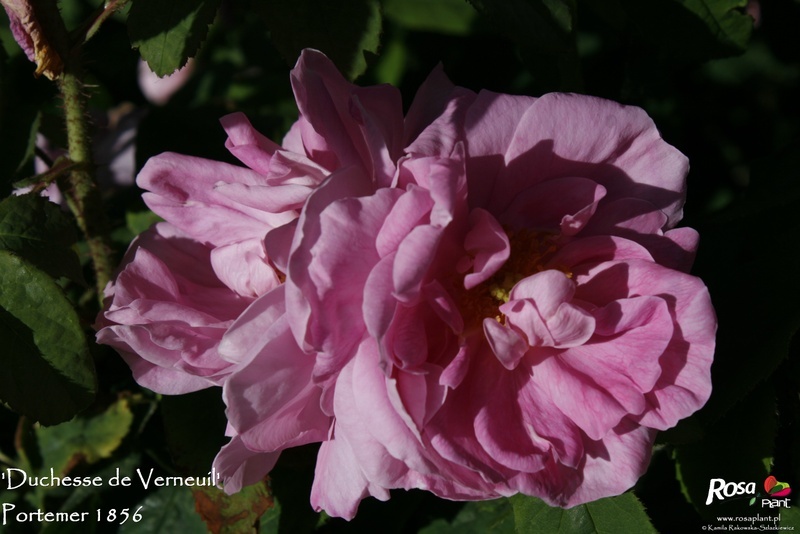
x,y
167,34
347,31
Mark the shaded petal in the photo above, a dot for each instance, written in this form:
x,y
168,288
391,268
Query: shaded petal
x,y
437,101
506,343
488,244
509,135
614,464
243,267
272,401
566,204
240,467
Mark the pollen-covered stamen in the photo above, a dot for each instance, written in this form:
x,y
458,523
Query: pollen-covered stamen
x,y
531,251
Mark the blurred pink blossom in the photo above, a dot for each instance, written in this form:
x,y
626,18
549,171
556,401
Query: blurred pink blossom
x,y
159,90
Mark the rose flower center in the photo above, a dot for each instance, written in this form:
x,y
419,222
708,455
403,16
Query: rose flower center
x,y
530,252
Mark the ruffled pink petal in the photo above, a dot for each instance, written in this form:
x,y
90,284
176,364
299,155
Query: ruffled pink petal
x,y
578,397
247,144
411,209
442,136
435,99
488,244
379,304
301,295
597,249
334,131
252,330
155,377
167,324
182,191
506,343
623,357
343,234
613,465
272,402
627,156
243,267
339,484
290,168
685,382
269,198
627,217
540,307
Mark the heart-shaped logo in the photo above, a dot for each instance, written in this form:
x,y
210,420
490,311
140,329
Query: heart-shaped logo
x,y
775,488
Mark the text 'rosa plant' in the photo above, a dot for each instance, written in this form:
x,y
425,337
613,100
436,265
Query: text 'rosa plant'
x,y
485,297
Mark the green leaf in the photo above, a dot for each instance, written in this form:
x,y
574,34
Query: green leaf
x,y
790,518
347,31
696,30
79,498
232,514
270,521
39,231
543,30
48,374
167,34
168,509
480,517
88,439
138,222
454,17
725,20
623,513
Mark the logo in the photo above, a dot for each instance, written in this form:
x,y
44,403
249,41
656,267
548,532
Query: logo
x,y
722,490
775,490
775,496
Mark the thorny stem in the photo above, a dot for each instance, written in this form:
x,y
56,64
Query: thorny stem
x,y
81,192
82,195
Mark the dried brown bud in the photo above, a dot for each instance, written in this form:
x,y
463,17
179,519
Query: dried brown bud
x,y
29,32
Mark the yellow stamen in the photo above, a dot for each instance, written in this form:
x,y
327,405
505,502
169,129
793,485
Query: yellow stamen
x,y
531,251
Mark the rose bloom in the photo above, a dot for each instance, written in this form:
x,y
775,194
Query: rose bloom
x,y
502,306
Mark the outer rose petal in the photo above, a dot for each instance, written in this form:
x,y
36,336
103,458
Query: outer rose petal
x,y
167,323
272,402
549,134
182,191
343,125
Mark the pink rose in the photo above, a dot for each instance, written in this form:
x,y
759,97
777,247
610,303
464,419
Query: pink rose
x,y
507,312
486,297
